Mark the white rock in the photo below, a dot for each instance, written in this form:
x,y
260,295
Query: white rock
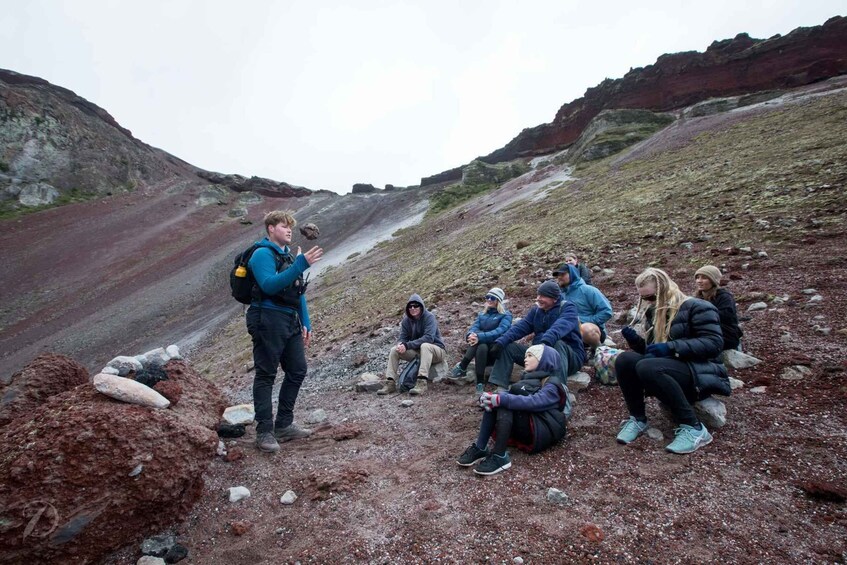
x,y
823,331
150,560
141,359
795,373
238,493
759,389
407,403
756,306
745,249
579,381
745,266
785,338
128,390
240,414
687,245
608,272
518,560
810,291
655,433
136,470
816,299
735,383
316,416
762,255
735,359
711,412
110,370
556,496
173,352
125,364
221,448
289,497
157,356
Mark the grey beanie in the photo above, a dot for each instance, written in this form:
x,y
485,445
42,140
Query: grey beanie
x,y
498,292
550,289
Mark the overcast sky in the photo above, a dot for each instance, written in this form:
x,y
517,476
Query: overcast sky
x,y
326,94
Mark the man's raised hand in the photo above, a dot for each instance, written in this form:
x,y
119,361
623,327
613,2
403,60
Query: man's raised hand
x,y
313,255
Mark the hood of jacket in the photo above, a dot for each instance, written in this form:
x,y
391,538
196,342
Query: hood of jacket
x,y
268,243
550,362
576,280
415,298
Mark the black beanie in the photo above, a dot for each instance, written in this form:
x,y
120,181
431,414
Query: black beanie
x,y
550,289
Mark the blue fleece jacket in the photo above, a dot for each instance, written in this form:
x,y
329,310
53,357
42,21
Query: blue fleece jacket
x,y
549,396
416,332
592,306
559,322
263,266
490,325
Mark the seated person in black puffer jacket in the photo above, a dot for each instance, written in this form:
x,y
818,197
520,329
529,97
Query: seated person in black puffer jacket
x,y
530,416
675,357
708,280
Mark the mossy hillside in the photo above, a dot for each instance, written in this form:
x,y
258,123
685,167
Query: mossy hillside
x,y
635,213
477,178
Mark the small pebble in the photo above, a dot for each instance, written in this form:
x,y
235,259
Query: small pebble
x,y
407,403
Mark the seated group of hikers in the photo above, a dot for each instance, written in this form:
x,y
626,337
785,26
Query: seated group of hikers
x,y
675,345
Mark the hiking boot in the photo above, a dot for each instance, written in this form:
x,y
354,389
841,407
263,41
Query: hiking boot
x,y
689,439
472,456
390,387
267,442
493,464
291,431
631,429
458,372
420,387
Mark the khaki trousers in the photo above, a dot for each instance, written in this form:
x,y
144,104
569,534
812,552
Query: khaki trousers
x,y
429,354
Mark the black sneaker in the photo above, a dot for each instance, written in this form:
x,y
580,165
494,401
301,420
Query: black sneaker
x,y
472,456
493,464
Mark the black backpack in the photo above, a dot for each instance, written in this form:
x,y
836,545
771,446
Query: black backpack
x,y
243,285
241,280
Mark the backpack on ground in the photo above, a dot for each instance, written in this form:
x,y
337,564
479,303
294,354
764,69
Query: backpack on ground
x,y
409,377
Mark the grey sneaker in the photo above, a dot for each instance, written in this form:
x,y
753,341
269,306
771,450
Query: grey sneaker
x,y
472,456
292,431
267,442
493,464
458,372
630,430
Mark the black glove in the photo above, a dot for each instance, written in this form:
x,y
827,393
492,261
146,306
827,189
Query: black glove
x,y
495,350
659,350
629,334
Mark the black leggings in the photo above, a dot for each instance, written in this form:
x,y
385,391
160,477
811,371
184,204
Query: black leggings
x,y
669,380
479,353
504,424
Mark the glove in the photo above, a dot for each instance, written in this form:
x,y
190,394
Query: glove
x,y
489,401
629,334
495,350
659,350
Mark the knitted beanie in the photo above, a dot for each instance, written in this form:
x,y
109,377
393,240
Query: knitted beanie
x,y
536,351
498,292
712,273
550,289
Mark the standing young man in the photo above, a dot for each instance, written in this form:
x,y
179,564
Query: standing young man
x,y
278,323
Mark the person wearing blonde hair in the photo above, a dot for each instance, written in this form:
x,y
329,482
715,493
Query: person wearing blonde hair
x,y
279,325
584,272
490,324
708,281
675,357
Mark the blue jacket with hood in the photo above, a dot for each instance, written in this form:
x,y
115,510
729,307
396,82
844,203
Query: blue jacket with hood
x,y
550,395
490,325
592,306
414,333
559,322
263,266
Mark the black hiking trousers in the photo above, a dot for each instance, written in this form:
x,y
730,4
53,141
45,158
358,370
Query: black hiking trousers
x,y
669,380
480,354
277,342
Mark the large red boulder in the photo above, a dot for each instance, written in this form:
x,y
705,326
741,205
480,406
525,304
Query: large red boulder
x,y
47,375
86,474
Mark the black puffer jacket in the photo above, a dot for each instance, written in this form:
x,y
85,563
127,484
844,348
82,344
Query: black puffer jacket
x,y
725,303
695,337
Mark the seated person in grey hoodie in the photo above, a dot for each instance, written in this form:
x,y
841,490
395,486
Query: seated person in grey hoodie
x,y
530,416
419,336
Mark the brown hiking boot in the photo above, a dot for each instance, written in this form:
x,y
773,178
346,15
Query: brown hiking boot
x,y
390,387
291,431
267,442
420,387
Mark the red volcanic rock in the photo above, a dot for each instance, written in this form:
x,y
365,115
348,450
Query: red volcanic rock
x,y
46,376
730,67
85,474
240,527
170,390
592,533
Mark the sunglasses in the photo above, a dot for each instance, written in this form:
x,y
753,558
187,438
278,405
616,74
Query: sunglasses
x,y
491,297
651,298
415,306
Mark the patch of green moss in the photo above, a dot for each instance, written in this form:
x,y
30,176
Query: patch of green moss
x,y
456,194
